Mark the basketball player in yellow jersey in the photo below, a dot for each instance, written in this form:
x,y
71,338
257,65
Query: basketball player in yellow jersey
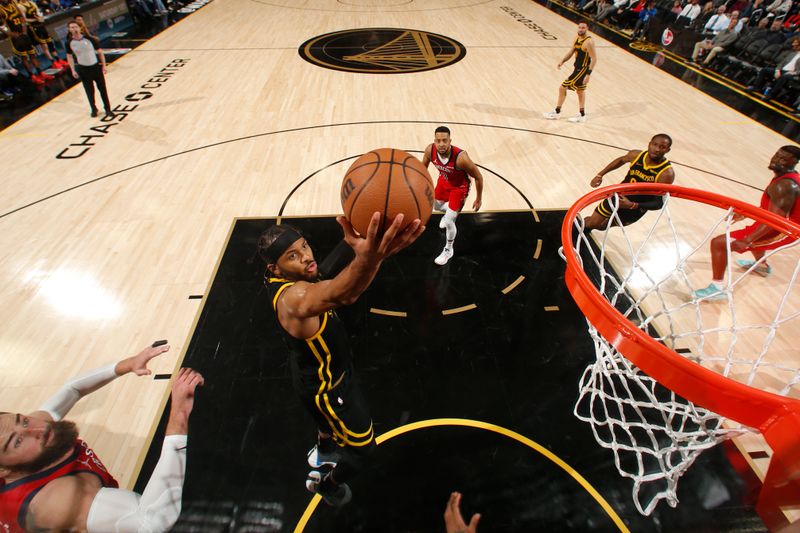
x,y
585,62
648,166
38,32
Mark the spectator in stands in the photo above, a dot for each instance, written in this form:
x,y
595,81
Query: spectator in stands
x,y
676,8
706,13
740,6
645,16
755,13
775,34
739,22
750,34
10,81
688,14
586,5
609,9
791,22
778,8
627,17
718,22
785,71
720,42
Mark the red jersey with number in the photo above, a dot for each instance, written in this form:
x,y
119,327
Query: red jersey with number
x,y
794,212
448,171
15,497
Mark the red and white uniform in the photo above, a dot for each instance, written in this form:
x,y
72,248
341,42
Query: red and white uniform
x,y
15,497
772,240
453,184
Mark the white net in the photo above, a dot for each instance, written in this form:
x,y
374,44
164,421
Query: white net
x,y
649,271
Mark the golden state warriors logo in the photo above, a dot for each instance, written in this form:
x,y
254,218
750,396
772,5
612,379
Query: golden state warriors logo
x,y
382,51
644,46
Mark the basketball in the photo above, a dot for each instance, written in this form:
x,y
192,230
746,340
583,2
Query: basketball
x,y
390,181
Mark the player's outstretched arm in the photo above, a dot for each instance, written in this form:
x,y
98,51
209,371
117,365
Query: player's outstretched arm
x,y
183,389
305,300
72,503
614,165
58,405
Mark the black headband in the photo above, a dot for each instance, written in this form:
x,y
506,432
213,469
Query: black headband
x,y
279,245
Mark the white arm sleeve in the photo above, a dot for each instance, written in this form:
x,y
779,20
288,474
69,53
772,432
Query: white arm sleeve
x,y
156,510
61,402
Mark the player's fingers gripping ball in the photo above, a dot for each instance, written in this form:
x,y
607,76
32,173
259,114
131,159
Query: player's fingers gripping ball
x,y
391,182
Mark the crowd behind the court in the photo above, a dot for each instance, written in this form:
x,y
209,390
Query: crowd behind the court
x,y
15,78
748,41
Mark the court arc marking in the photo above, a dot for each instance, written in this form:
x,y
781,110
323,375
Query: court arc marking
x,y
386,312
477,424
456,310
513,285
538,251
343,124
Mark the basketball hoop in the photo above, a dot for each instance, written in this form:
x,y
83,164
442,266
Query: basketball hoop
x,y
675,374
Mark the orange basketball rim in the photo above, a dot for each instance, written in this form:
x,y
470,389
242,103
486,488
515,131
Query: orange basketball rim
x,y
776,417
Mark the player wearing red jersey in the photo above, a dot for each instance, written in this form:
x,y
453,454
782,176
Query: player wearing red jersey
x,y
51,480
781,197
452,188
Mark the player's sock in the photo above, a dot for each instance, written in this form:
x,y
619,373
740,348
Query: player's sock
x,y
449,245
558,109
718,284
582,112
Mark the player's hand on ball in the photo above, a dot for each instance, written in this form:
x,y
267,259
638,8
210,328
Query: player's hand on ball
x,y
395,239
372,248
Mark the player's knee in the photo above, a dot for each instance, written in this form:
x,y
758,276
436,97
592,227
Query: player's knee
x,y
719,242
448,223
595,221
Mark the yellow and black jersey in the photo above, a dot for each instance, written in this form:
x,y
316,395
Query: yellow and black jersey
x,y
324,358
640,172
581,56
30,10
10,16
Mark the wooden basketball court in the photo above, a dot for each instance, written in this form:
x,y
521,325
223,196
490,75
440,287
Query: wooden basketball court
x,y
109,228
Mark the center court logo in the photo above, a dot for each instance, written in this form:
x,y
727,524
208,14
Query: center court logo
x,y
382,51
